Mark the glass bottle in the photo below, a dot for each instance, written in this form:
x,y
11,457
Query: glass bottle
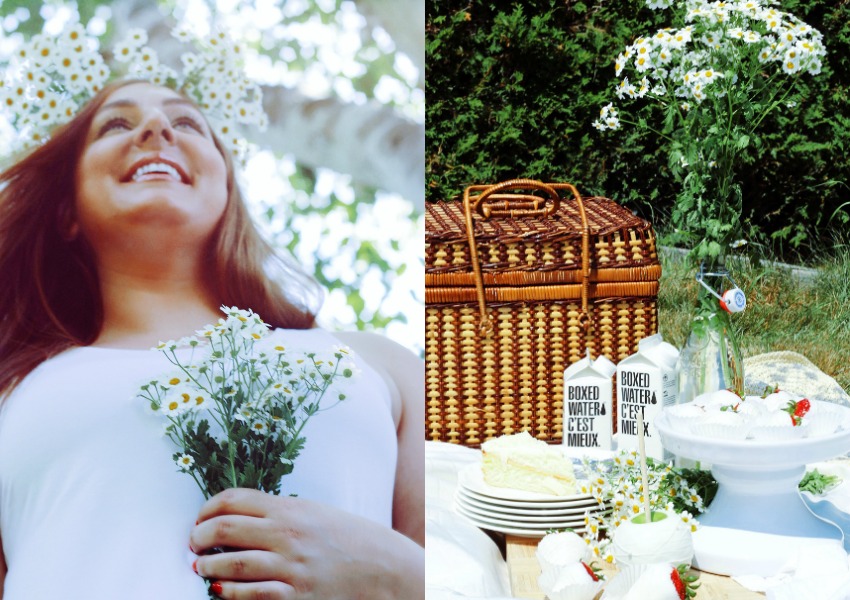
x,y
711,358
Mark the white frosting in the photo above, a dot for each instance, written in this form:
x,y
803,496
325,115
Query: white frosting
x,y
570,582
557,550
642,582
655,583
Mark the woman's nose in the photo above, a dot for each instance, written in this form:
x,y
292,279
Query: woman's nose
x,y
155,129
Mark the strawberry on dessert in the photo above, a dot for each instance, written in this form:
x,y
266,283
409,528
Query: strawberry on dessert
x,y
660,581
576,581
798,410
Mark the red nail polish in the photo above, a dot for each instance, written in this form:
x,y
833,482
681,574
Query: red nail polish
x,y
215,588
192,550
195,566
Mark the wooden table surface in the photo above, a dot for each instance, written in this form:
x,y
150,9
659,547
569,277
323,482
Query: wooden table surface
x,y
524,571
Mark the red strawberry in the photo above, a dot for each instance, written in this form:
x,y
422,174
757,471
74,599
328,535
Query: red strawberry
x,y
680,585
590,572
798,410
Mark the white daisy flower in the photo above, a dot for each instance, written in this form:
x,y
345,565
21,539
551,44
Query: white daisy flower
x,y
244,414
814,66
259,427
619,65
622,90
185,462
43,50
137,36
680,38
182,33
171,406
77,80
709,75
643,63
125,52
791,62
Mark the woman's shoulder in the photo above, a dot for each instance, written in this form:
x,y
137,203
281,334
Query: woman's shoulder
x,y
370,342
400,367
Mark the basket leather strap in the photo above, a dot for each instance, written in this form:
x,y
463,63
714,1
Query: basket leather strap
x,y
489,202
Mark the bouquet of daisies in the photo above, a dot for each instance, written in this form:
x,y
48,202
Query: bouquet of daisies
x,y
617,487
705,85
236,403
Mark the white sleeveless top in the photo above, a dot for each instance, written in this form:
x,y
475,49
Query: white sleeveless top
x,y
92,505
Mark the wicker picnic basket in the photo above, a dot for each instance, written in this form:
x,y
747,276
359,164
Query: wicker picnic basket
x,y
522,279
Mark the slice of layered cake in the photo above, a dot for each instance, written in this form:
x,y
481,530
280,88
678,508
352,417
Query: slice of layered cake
x,y
521,462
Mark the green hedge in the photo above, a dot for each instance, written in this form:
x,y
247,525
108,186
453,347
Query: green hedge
x,y
513,87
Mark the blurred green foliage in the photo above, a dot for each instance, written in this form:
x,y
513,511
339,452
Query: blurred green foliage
x,y
513,87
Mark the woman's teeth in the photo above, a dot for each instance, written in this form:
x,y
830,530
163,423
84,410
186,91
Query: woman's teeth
x,y
159,168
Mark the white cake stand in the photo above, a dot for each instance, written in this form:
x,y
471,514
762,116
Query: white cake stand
x,y
758,481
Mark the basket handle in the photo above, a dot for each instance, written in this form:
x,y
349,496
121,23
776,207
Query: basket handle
x,y
522,205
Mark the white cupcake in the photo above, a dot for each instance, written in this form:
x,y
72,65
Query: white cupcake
x,y
779,400
557,550
825,418
776,425
571,582
726,425
682,416
821,425
643,582
714,400
752,408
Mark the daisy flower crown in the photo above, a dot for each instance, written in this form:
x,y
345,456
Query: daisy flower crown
x,y
50,78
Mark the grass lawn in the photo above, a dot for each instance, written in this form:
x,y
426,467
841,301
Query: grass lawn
x,y
808,315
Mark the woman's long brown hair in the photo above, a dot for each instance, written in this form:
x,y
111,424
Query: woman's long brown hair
x,y
50,297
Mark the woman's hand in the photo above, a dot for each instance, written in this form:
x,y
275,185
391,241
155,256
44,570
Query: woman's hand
x,y
294,549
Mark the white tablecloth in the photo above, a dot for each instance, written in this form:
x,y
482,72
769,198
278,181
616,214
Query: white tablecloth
x,y
462,562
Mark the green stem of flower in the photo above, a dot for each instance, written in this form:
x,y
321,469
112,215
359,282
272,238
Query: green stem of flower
x,y
650,128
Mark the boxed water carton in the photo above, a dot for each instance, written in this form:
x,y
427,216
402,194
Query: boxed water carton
x,y
588,392
646,382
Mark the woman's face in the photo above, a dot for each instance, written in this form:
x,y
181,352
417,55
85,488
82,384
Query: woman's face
x,y
149,160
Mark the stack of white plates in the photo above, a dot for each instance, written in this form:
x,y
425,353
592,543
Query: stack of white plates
x,y
517,512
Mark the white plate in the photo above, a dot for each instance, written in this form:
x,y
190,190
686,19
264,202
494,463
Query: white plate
x,y
520,530
477,502
520,518
472,479
580,503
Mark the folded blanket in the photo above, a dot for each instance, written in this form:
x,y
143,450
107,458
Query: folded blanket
x,y
793,373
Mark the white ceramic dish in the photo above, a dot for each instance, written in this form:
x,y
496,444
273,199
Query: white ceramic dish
x,y
512,528
472,479
532,518
532,510
758,480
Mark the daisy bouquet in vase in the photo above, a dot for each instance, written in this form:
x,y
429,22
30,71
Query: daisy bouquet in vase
x,y
705,86
236,403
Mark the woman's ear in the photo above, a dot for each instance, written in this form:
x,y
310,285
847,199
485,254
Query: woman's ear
x,y
66,223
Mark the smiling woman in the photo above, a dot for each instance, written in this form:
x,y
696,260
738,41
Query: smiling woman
x,y
126,228
149,162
